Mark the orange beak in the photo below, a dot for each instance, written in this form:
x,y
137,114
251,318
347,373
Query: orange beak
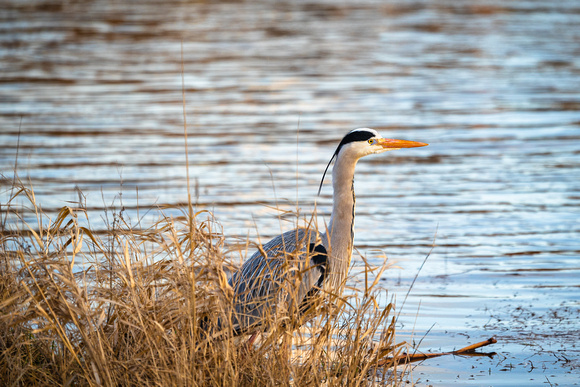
x,y
389,143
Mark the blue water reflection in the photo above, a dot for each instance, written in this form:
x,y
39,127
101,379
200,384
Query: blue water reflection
x,y
92,91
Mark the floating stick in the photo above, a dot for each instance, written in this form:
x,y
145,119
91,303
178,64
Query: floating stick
x,y
409,358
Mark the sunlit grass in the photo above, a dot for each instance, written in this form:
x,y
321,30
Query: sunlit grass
x,y
126,307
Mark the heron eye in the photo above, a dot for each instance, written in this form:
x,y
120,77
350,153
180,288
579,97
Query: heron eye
x,y
371,141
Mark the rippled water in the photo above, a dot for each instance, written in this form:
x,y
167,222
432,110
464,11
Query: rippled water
x,y
94,90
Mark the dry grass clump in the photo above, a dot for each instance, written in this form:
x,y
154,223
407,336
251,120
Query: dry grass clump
x,y
125,306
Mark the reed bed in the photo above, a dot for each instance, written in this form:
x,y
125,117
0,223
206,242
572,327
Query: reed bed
x,y
129,305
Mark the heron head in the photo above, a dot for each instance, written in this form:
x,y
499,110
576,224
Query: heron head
x,y
365,141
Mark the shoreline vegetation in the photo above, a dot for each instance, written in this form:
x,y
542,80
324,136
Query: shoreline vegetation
x,y
125,306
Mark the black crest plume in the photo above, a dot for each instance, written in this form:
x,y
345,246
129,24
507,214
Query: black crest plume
x,y
355,135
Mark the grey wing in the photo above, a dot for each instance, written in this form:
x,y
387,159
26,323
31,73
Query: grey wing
x,y
280,275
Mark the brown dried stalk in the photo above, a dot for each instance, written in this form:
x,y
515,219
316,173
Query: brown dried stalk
x,y
406,358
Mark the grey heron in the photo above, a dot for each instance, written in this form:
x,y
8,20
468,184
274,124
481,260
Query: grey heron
x,y
287,271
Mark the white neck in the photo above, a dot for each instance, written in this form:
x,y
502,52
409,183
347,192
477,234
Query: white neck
x,y
341,226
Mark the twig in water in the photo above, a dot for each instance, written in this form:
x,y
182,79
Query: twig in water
x,y
409,358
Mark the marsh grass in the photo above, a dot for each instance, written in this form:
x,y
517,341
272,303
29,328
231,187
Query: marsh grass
x,y
125,306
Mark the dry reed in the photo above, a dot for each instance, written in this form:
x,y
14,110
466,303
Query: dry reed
x,y
124,306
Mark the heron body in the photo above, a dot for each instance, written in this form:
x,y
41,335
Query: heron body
x,y
280,278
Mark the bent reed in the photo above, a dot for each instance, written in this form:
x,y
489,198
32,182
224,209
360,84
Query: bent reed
x,y
127,305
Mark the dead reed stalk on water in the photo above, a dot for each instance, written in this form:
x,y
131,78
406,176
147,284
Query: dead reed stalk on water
x,y
124,306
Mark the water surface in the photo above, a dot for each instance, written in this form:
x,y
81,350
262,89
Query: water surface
x,y
91,97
